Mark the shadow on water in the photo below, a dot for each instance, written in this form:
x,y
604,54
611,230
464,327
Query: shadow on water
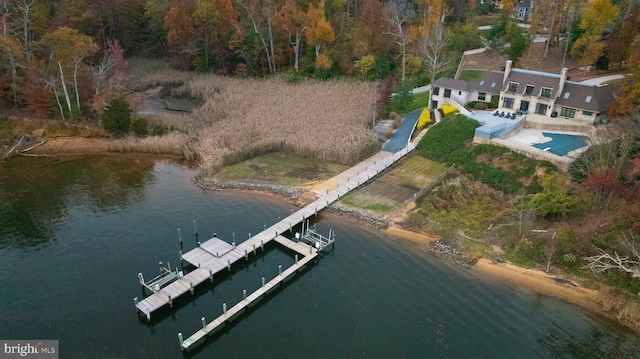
x,y
208,287
226,328
36,193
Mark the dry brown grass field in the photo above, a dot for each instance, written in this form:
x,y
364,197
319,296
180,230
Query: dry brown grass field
x,y
241,118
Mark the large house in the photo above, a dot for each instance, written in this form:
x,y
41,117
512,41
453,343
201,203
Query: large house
x,y
528,92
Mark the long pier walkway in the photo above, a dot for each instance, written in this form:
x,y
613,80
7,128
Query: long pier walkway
x,y
214,255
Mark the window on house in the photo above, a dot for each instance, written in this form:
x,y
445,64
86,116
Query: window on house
x,y
447,93
493,84
588,100
568,112
546,92
566,95
541,109
481,82
436,91
513,86
528,90
482,96
587,113
524,106
507,102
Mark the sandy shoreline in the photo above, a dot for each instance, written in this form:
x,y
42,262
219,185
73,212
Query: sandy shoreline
x,y
532,279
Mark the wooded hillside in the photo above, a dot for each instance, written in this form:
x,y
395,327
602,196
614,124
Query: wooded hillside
x,y
67,58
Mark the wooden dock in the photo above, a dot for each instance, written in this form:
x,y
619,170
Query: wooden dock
x,y
229,314
215,255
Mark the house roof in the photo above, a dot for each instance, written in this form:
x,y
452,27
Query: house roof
x,y
452,84
491,82
586,97
536,79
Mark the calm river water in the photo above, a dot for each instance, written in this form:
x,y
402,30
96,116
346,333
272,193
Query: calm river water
x,y
74,235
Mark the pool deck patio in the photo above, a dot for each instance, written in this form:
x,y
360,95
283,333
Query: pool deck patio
x,y
523,140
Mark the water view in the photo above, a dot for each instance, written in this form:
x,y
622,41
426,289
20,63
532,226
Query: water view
x,y
74,236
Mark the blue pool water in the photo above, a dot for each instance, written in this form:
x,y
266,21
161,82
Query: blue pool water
x,y
561,144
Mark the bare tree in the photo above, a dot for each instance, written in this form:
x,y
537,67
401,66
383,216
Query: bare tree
x,y
628,260
265,15
433,46
550,251
51,83
524,210
26,37
398,13
9,46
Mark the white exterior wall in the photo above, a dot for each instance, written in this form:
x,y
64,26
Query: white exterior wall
x,y
579,116
461,97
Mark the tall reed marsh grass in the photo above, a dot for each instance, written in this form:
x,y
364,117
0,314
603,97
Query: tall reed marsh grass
x,y
242,118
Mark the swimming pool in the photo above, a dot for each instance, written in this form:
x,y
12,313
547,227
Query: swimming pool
x,y
561,144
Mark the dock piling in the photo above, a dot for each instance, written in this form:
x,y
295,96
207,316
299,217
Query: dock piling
x,y
170,301
204,322
179,237
244,294
224,308
191,287
254,249
228,265
263,281
279,269
135,300
296,259
195,230
246,255
180,254
262,245
181,341
210,275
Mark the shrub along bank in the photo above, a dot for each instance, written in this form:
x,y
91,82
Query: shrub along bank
x,y
504,204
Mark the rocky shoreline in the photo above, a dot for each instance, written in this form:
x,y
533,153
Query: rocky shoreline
x,y
452,250
292,195
445,248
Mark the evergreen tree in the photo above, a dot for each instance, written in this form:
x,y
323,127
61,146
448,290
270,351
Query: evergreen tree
x,y
117,116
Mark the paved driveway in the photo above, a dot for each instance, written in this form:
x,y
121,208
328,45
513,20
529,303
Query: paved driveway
x,y
602,79
402,134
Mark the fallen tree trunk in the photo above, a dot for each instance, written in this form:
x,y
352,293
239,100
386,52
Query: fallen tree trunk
x,y
6,155
32,147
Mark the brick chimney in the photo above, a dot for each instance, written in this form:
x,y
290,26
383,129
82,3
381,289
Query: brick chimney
x,y
563,79
507,71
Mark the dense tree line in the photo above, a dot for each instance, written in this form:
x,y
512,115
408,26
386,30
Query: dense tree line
x,y
66,58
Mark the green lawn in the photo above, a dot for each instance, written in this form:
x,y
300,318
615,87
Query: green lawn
x,y
419,100
280,168
471,75
396,186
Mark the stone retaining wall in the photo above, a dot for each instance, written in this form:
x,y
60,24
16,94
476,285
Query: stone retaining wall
x,y
292,194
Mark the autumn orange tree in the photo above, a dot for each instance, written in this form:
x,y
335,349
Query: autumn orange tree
x,y
622,35
179,26
319,32
627,101
293,22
